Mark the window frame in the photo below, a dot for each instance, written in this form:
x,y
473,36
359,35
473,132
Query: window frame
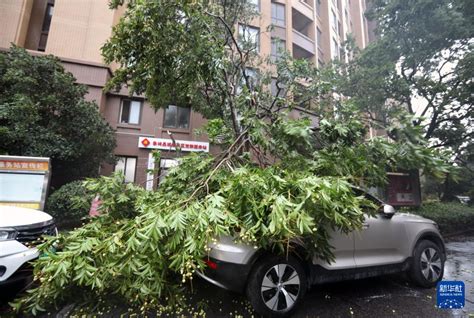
x,y
275,19
280,46
318,8
165,165
118,157
254,77
177,116
257,5
46,26
242,30
319,38
334,21
139,111
337,54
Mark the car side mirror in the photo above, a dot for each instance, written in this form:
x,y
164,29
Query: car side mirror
x,y
388,210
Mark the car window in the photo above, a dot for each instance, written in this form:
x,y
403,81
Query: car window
x,y
378,203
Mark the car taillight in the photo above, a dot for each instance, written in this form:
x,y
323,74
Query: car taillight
x,y
211,264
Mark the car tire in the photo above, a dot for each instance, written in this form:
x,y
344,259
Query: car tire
x,y
276,285
427,266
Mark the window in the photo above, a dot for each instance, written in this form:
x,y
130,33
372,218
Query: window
x,y
320,39
249,37
128,166
318,7
278,14
368,197
177,117
278,48
320,63
334,20
255,4
130,111
275,86
48,15
253,78
165,166
335,49
252,75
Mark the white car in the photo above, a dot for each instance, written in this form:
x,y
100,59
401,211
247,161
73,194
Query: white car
x,y
388,242
20,230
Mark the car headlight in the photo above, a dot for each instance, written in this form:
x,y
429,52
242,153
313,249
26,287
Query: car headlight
x,y
7,234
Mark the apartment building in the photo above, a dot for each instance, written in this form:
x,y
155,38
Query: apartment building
x,y
310,29
75,30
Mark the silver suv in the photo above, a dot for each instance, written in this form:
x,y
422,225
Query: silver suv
x,y
388,243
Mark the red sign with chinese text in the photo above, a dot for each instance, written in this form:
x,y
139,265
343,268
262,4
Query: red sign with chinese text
x,y
167,144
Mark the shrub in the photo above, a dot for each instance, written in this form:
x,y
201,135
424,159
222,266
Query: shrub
x,y
451,217
69,204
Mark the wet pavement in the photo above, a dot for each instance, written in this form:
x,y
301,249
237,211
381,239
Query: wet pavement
x,y
387,296
460,266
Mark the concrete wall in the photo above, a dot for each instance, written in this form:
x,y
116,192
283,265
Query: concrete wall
x,y
79,28
14,19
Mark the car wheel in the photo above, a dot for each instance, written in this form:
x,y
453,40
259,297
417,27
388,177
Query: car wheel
x,y
276,285
428,264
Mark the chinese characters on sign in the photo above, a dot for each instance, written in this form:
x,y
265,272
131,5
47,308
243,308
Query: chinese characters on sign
x,y
23,165
167,144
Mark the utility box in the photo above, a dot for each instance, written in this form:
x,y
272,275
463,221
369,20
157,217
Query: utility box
x,y
24,181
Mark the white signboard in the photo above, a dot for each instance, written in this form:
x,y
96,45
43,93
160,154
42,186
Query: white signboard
x,y
167,144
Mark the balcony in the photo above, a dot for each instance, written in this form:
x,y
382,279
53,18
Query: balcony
x,y
303,46
304,7
302,23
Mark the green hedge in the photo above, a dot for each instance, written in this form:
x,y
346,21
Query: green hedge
x,y
69,204
451,217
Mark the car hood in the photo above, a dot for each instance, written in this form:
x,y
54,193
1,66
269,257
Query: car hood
x,y
11,216
408,217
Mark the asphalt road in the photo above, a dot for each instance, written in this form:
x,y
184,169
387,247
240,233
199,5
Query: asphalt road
x,y
387,296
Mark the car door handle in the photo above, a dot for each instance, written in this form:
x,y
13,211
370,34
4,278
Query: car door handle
x,y
365,226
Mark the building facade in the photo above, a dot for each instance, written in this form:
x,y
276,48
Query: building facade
x,y
310,29
75,30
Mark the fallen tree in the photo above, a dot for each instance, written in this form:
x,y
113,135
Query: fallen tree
x,y
276,181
